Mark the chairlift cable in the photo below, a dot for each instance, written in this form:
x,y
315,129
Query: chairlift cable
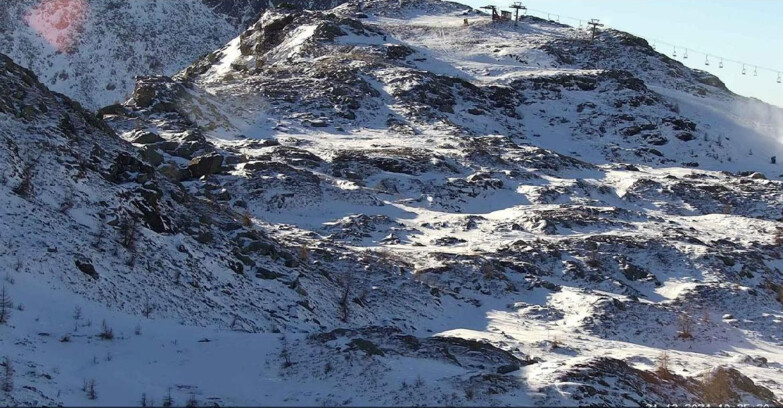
x,y
656,42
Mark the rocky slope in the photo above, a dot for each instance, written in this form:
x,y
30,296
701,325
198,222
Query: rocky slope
x,y
91,50
398,209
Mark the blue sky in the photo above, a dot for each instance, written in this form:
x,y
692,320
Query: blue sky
x,y
744,30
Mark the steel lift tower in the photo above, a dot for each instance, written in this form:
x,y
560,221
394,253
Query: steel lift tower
x,y
594,24
495,15
517,6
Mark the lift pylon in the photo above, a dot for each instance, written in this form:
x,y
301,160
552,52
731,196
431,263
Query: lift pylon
x,y
594,24
495,15
517,6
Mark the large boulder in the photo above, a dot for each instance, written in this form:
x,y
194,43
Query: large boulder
x,y
205,165
85,265
146,138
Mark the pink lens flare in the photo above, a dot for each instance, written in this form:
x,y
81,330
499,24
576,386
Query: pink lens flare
x,y
59,22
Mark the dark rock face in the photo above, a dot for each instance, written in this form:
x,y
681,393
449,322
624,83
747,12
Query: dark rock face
x,y
472,355
685,136
149,208
126,167
244,12
151,155
159,93
115,109
606,379
510,368
205,165
398,52
147,138
87,267
725,385
293,156
448,241
404,161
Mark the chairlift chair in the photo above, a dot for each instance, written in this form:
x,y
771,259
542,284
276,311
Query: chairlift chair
x,y
707,60
674,54
744,70
755,71
721,63
779,79
685,56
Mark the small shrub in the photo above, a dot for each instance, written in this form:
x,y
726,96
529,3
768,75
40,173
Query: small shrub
x,y
7,384
147,308
167,400
101,232
286,356
344,300
662,367
107,333
487,270
77,315
68,201
419,382
192,402
128,230
304,254
592,255
5,305
247,220
25,187
705,317
716,386
685,324
89,389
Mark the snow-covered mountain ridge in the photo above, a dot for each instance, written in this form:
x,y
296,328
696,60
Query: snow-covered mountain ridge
x,y
91,50
396,209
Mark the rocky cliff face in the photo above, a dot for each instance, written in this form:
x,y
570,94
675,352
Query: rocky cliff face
x,y
398,209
